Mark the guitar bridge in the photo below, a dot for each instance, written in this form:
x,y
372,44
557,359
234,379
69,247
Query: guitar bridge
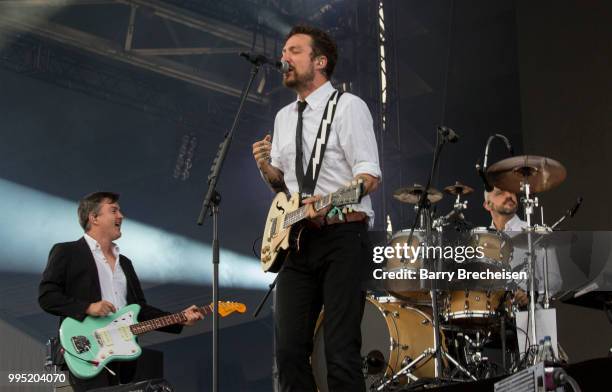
x,y
81,344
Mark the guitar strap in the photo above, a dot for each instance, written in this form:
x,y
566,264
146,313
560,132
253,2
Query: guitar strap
x,y
308,182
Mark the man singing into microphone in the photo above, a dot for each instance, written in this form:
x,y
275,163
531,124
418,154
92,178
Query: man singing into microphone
x,y
326,269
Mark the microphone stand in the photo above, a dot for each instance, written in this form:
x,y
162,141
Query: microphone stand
x,y
211,204
424,204
441,139
482,169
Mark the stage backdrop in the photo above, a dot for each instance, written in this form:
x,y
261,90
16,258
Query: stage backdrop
x,y
565,61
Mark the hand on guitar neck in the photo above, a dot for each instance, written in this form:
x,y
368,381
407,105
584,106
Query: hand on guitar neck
x,y
370,183
311,212
193,315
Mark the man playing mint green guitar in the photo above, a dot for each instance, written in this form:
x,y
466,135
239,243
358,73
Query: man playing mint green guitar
x,y
89,277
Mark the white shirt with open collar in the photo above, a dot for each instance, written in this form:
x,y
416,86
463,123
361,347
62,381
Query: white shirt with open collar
x,y
351,148
113,284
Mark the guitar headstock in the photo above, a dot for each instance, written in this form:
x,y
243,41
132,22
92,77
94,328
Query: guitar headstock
x,y
226,308
349,195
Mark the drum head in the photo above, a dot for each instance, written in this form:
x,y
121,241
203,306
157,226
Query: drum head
x,y
375,343
411,291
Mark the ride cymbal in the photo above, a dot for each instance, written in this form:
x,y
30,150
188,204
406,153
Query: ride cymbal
x,y
541,173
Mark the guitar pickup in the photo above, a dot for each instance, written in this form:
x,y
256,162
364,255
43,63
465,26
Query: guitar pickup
x,y
103,338
273,226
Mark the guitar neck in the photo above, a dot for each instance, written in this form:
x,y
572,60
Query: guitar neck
x,y
164,321
294,217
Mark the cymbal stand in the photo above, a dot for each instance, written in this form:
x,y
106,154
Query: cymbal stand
x,y
457,212
426,354
529,203
421,215
569,213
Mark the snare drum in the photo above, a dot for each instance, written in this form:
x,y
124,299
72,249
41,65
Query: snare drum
x,y
467,307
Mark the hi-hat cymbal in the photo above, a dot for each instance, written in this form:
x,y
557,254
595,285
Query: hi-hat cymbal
x,y
458,189
541,173
412,194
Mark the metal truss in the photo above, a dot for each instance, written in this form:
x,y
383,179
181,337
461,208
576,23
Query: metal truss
x,y
149,59
57,65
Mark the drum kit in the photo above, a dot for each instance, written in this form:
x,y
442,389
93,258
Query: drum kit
x,y
416,334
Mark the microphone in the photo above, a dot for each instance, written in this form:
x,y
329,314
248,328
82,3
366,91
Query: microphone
x,y
574,209
259,59
487,186
569,213
448,134
482,169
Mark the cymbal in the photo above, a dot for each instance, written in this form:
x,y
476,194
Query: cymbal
x,y
541,238
541,173
412,194
458,189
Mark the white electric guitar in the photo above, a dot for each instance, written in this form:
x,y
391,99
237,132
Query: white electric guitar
x,y
280,235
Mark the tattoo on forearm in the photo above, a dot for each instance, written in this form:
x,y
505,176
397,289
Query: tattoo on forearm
x,y
278,185
277,182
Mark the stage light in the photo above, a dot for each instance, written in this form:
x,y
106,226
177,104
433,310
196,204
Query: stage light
x,y
34,221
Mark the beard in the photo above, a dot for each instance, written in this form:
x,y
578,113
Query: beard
x,y
299,79
507,209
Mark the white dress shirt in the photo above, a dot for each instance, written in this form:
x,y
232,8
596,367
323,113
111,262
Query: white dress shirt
x,y
514,227
113,284
351,148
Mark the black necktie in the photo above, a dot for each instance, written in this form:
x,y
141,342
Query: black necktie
x,y
299,165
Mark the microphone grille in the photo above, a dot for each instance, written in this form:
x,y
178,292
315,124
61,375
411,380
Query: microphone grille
x,y
284,66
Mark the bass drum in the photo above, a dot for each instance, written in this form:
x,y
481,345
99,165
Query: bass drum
x,y
393,334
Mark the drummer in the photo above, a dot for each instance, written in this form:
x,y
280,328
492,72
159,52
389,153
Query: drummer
x,y
502,205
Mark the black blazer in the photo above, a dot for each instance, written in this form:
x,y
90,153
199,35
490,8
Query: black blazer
x,y
70,284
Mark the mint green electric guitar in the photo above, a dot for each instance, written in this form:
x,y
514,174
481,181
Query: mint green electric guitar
x,y
94,342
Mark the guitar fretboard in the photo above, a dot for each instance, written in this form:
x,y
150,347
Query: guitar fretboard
x,y
164,321
294,217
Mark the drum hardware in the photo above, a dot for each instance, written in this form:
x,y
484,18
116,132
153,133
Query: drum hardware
x,y
456,214
471,315
529,175
405,371
389,229
426,197
475,346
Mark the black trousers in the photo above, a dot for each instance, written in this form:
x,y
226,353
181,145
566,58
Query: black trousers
x,y
326,271
125,372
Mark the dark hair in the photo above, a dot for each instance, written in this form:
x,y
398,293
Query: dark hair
x,y
322,45
91,204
